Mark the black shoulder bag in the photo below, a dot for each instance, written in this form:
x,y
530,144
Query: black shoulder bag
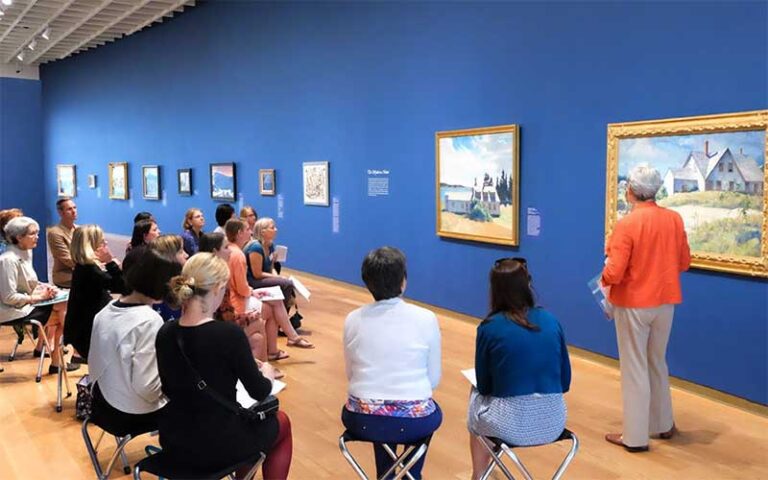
x,y
257,412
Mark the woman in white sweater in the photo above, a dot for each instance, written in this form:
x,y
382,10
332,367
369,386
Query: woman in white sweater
x,y
392,355
122,359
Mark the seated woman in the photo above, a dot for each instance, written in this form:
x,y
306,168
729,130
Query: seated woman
x,y
144,231
170,247
95,278
122,360
392,354
249,216
273,312
522,368
193,224
195,429
19,288
259,256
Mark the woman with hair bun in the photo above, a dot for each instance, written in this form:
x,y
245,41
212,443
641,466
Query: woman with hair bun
x,y
195,429
522,368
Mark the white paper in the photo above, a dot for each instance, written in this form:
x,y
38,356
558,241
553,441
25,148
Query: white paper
x,y
270,293
246,401
281,253
470,375
253,305
300,288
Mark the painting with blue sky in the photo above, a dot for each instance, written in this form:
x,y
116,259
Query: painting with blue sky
x,y
65,174
477,184
223,182
714,178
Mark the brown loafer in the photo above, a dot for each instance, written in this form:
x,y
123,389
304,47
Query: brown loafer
x,y
669,433
616,439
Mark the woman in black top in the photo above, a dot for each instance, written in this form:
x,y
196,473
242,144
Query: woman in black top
x,y
195,429
144,231
96,276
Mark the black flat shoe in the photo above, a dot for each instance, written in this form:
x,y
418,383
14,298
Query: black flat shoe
x,y
36,353
79,360
54,369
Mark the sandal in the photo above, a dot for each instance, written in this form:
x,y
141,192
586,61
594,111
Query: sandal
x,y
279,355
278,373
300,342
617,439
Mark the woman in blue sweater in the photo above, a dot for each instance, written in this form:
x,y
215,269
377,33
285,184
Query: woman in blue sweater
x,y
522,368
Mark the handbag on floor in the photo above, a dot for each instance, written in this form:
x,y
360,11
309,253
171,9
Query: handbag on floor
x,y
84,398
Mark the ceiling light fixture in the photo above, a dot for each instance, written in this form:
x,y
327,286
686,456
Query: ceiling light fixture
x,y
46,33
7,2
20,56
32,44
1,12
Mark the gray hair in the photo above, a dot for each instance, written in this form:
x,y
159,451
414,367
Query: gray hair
x,y
644,181
261,224
18,227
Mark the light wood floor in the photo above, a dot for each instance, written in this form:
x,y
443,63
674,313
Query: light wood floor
x,y
716,441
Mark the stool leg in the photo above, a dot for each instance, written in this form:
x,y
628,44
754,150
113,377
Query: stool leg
x,y
568,458
121,443
496,460
351,460
12,356
412,461
92,452
46,347
394,457
517,461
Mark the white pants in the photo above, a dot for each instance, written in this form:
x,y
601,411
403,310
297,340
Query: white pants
x,y
642,335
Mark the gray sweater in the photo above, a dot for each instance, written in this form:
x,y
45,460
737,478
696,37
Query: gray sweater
x,y
17,283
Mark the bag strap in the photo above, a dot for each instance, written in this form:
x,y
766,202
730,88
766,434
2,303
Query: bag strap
x,y
200,384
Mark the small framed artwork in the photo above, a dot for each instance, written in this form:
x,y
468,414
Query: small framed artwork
x,y
184,176
91,181
713,174
316,183
267,181
223,182
118,180
478,178
66,181
150,182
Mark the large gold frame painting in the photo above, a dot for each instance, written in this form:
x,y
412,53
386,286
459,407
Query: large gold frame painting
x,y
714,176
477,184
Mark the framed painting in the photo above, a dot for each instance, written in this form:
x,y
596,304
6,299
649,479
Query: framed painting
x,y
223,182
91,181
713,172
66,181
316,183
150,182
184,178
477,184
118,180
267,181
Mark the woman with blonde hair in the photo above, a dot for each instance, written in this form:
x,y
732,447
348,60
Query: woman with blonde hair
x,y
259,258
192,347
193,224
96,276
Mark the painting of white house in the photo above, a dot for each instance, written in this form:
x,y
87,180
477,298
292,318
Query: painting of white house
x,y
118,181
66,180
316,181
150,182
477,183
716,182
223,182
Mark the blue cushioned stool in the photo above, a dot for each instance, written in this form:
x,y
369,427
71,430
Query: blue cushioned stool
x,y
161,465
398,469
498,448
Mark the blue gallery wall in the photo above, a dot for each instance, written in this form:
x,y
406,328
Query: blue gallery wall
x,y
21,155
367,85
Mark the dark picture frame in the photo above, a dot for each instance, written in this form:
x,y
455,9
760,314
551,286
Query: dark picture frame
x,y
184,181
223,180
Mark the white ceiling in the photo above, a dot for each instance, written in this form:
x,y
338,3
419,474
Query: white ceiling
x,y
73,26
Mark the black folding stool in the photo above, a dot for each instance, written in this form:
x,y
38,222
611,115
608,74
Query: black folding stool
x,y
160,465
420,446
498,449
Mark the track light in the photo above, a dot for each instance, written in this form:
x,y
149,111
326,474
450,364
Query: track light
x,y
46,33
7,2
1,12
32,44
20,56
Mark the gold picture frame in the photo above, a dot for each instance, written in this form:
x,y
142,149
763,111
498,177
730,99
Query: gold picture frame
x,y
118,180
267,181
713,169
477,184
66,181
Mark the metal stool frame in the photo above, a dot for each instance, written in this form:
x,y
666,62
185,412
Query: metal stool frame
x,y
150,449
498,449
420,447
93,452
